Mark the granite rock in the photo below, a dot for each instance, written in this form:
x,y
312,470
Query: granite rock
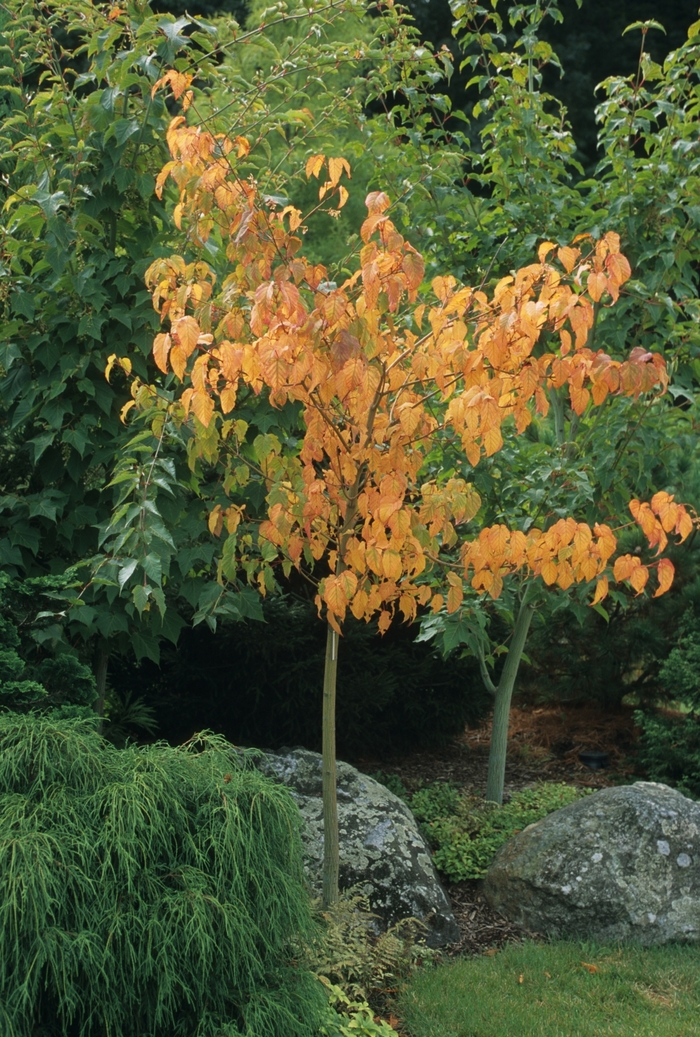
x,y
382,851
621,864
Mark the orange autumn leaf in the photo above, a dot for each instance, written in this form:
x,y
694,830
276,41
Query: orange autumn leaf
x,y
601,590
377,378
161,349
665,571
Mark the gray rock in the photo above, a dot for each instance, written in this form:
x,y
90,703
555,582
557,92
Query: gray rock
x,y
622,864
381,849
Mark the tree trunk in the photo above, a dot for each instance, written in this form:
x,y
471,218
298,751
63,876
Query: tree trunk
x,y
331,860
100,663
501,711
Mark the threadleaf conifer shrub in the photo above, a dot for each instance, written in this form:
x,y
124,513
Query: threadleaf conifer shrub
x,y
147,892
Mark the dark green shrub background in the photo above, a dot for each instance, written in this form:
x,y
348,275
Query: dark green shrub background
x,y
261,685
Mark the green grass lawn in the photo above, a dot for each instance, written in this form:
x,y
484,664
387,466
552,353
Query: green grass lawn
x,y
559,990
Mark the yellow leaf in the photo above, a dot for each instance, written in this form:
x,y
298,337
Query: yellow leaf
x,y
437,602
492,440
215,520
358,605
125,410
567,256
202,405
333,593
544,250
601,590
625,566
374,560
242,146
120,361
579,398
455,594
186,331
227,397
314,166
597,284
639,577
685,525
665,571
590,968
618,268
377,201
348,581
178,361
161,348
549,573
335,169
391,565
413,266
233,516
179,81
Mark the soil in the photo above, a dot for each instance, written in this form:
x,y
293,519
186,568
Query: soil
x,y
544,744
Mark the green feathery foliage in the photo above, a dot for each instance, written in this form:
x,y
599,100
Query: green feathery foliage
x,y
147,892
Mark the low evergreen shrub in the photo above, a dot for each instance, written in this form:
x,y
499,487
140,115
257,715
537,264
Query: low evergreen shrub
x,y
669,745
669,750
147,892
38,670
466,832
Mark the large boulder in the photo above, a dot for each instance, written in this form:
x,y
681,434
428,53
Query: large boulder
x,y
381,849
621,864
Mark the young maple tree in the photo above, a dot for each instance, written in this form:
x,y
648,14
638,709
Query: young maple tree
x,y
379,378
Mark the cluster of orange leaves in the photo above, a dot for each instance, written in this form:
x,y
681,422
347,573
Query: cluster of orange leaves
x,y
379,378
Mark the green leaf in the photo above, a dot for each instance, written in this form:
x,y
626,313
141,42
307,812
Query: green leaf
x,y
23,303
145,646
153,568
171,29
648,24
41,443
126,571
85,614
145,185
140,595
91,325
123,129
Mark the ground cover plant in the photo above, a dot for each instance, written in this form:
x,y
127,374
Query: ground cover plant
x,y
558,990
154,891
466,831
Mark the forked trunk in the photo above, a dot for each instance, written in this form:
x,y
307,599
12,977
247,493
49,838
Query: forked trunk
x,y
501,710
331,859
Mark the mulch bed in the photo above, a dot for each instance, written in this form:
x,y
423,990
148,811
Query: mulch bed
x,y
544,744
484,931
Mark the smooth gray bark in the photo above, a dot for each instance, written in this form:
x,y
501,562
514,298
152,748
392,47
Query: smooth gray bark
x,y
501,709
331,858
